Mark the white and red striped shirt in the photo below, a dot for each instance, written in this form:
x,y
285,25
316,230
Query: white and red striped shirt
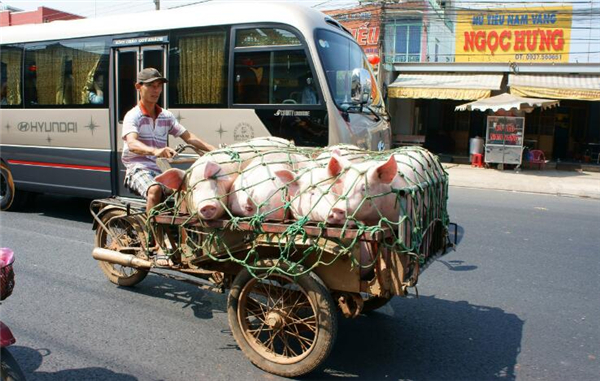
x,y
151,132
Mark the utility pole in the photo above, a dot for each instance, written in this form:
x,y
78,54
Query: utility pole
x,y
157,4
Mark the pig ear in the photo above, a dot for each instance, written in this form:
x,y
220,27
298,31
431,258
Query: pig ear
x,y
386,172
172,178
336,151
289,178
211,169
336,165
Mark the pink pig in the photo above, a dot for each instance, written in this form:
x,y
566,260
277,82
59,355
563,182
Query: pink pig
x,y
210,178
265,185
313,196
366,191
346,151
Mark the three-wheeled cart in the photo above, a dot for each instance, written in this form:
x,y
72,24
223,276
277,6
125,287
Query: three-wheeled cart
x,y
285,279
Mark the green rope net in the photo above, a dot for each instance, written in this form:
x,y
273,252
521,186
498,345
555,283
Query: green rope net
x,y
304,193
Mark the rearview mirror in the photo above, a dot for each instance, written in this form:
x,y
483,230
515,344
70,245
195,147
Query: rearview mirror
x,y
360,86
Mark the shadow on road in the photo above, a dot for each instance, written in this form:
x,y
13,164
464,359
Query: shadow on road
x,y
426,339
204,303
417,339
30,360
58,206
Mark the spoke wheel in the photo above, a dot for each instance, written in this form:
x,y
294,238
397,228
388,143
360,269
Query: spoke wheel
x,y
284,325
127,236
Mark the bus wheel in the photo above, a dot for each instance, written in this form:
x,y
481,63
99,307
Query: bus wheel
x,y
9,199
126,232
285,325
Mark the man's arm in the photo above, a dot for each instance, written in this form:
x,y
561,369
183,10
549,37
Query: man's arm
x,y
200,144
140,148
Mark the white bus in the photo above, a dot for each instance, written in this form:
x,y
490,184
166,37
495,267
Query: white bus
x,y
236,71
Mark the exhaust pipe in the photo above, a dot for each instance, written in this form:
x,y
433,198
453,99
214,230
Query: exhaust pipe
x,y
127,260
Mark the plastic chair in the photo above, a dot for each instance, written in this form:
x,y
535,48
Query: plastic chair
x,y
477,160
537,157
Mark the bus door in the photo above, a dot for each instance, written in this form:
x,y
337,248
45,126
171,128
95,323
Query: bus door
x,y
128,62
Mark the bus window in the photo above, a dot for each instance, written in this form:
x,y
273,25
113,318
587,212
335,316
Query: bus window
x,y
277,77
11,59
153,57
264,37
198,68
293,81
271,67
126,78
59,74
332,46
252,78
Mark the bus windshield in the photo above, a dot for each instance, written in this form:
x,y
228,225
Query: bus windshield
x,y
340,56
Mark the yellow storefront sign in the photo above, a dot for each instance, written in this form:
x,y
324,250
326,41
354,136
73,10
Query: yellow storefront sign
x,y
514,35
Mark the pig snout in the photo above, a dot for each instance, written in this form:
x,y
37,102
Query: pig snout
x,y
336,216
208,211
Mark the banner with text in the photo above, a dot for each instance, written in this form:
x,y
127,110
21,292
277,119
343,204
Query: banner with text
x,y
514,35
364,23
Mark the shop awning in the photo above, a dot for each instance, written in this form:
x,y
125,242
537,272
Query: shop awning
x,y
507,102
444,86
572,86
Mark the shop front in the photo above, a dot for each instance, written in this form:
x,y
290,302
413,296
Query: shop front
x,y
527,52
572,130
424,104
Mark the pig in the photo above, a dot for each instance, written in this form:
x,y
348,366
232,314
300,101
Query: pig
x,y
409,168
427,167
265,184
366,190
209,180
312,194
419,166
347,151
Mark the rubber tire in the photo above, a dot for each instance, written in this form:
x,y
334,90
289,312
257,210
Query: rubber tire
x,y
9,368
11,200
327,315
374,303
137,275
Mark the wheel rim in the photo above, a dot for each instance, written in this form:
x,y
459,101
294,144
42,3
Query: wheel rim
x,y
127,239
4,189
278,319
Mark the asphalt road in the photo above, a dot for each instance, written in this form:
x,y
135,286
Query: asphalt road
x,y
517,300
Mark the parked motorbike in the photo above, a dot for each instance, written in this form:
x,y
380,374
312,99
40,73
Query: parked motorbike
x,y
9,369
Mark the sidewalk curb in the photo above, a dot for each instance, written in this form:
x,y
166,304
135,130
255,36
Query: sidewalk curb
x,y
580,184
570,195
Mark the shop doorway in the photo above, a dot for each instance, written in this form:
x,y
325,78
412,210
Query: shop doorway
x,y
562,124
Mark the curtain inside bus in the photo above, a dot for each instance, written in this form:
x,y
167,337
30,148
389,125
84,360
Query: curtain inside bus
x,y
201,76
62,74
84,66
49,72
11,59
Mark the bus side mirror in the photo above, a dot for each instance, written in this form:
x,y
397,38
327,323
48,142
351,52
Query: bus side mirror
x,y
360,86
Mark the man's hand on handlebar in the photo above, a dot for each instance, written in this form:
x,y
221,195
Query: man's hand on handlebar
x,y
166,152
182,147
